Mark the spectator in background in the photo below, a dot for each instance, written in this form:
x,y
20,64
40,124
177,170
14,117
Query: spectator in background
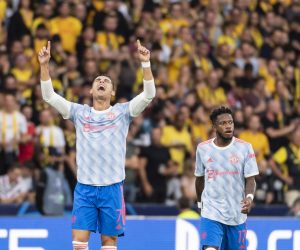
x,y
109,41
21,21
24,75
267,189
13,129
185,211
174,191
286,165
187,181
44,18
177,138
51,139
14,189
276,126
212,95
295,209
153,161
26,150
131,168
258,139
67,27
110,7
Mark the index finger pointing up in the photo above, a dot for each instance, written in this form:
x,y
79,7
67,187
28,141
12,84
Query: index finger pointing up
x,y
48,46
138,43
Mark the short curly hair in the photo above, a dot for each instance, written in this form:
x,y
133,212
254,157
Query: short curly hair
x,y
219,111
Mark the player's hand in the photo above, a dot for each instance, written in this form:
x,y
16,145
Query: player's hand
x,y
143,53
44,54
246,205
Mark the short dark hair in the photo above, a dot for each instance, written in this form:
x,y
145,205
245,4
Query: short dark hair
x,y
219,111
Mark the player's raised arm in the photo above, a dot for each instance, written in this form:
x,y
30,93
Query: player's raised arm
x,y
140,102
59,103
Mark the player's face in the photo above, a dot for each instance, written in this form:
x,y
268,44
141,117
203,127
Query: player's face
x,y
224,126
102,88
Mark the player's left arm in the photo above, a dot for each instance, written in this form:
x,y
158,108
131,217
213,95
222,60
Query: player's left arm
x,y
141,101
250,171
249,194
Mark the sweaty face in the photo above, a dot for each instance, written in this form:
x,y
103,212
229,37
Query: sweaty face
x,y
102,88
224,126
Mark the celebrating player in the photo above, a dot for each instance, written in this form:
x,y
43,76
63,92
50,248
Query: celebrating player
x,y
101,133
225,185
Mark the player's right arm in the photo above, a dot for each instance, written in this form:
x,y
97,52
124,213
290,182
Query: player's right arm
x,y
59,103
199,173
199,184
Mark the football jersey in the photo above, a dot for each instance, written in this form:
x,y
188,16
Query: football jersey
x,y
100,143
224,170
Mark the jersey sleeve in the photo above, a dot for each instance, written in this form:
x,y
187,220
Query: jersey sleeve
x,y
250,168
199,168
75,108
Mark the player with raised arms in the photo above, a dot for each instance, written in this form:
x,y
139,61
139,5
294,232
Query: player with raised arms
x,y
101,132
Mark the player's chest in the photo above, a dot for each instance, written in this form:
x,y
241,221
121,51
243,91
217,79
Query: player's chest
x,y
110,121
224,161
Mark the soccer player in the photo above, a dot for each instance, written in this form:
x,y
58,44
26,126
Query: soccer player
x,y
225,184
101,133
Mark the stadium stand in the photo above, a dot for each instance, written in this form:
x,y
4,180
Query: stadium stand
x,y
243,54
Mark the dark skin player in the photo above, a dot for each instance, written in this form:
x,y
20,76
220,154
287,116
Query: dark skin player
x,y
224,127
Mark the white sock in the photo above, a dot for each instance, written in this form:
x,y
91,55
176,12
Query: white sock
x,y
109,248
77,245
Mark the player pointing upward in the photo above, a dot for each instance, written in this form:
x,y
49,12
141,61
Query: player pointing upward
x,y
101,133
225,185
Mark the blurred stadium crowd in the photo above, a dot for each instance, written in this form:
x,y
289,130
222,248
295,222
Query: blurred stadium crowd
x,y
241,53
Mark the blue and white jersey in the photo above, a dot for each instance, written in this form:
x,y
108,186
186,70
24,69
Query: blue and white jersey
x,y
225,170
100,143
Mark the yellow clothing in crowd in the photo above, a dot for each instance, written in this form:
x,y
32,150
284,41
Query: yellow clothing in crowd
x,y
199,132
171,136
27,16
214,97
188,214
3,6
281,155
176,63
23,76
68,29
109,40
259,141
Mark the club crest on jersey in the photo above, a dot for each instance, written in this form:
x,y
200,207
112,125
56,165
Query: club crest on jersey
x,y
211,174
234,159
111,116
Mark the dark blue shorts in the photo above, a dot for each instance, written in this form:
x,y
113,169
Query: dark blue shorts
x,y
225,237
101,208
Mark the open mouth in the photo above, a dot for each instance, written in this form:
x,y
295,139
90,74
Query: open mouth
x,y
101,87
228,132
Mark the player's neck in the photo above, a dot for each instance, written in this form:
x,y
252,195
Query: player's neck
x,y
222,142
101,105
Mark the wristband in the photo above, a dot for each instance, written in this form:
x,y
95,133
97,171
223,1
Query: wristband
x,y
199,204
146,64
251,196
